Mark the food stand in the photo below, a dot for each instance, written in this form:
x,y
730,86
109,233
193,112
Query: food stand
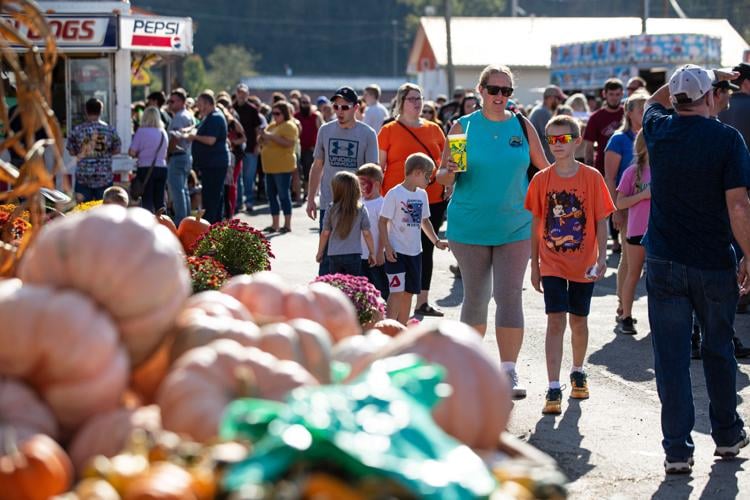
x,y
585,66
97,42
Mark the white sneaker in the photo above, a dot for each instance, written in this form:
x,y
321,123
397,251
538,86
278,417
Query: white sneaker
x,y
733,450
679,466
517,390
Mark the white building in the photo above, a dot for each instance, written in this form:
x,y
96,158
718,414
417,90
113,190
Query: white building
x,y
524,44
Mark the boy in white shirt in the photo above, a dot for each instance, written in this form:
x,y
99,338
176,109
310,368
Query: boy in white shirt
x,y
370,178
405,213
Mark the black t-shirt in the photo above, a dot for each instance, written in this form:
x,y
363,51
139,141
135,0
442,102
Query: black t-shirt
x,y
694,161
250,121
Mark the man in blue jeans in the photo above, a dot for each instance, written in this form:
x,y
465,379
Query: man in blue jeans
x,y
180,162
251,122
700,172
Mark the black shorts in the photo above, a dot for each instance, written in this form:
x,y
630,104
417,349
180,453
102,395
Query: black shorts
x,y
405,275
561,296
635,240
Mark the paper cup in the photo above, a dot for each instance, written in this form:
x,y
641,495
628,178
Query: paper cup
x,y
457,143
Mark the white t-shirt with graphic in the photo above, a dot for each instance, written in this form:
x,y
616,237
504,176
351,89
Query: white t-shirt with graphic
x,y
373,211
405,210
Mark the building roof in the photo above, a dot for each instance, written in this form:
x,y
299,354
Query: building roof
x,y
308,83
527,41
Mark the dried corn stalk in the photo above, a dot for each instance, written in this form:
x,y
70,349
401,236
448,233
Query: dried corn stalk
x,y
32,66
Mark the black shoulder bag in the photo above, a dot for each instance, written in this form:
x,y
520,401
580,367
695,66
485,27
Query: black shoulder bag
x,y
531,170
426,150
138,185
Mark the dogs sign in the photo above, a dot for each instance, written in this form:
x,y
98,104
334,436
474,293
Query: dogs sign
x,y
156,34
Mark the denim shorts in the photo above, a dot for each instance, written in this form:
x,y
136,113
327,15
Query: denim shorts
x,y
404,275
561,295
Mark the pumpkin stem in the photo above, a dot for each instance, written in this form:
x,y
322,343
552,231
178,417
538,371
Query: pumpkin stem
x,y
246,381
199,214
162,211
11,451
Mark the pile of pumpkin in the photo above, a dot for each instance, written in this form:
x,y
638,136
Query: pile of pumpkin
x,y
101,338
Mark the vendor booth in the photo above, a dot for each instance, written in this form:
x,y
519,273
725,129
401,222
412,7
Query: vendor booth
x,y
98,43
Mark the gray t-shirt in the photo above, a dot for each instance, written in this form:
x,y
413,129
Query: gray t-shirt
x,y
343,149
181,119
738,114
539,117
375,116
352,243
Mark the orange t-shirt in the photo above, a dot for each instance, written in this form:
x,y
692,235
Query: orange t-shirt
x,y
569,208
399,144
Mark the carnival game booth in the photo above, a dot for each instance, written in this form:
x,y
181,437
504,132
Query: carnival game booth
x,y
100,44
585,66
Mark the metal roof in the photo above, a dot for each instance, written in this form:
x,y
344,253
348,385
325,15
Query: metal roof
x,y
526,41
305,83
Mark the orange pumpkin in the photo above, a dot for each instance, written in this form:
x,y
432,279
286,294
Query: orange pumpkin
x,y
192,228
162,481
124,260
358,351
107,433
35,469
205,380
300,340
262,293
166,221
21,410
390,327
479,406
64,346
197,324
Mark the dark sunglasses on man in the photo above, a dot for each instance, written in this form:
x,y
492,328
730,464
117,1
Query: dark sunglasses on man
x,y
497,89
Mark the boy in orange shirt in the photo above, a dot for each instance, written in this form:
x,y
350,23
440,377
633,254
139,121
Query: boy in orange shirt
x,y
570,203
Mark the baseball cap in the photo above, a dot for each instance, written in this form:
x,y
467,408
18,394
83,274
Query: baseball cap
x,y
554,90
743,69
346,93
321,100
689,83
723,84
242,88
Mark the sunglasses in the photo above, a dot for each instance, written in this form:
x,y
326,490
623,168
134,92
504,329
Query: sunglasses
x,y
497,89
560,139
276,113
342,107
428,112
414,99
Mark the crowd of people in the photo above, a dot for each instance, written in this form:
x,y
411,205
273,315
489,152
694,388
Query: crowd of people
x,y
551,188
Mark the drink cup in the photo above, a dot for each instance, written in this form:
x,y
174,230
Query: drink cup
x,y
457,143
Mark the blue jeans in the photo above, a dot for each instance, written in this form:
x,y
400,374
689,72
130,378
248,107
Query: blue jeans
x,y
89,193
674,291
246,180
277,190
178,170
350,263
213,192
325,264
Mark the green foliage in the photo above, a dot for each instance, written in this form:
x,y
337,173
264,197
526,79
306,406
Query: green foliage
x,y
478,8
228,64
194,75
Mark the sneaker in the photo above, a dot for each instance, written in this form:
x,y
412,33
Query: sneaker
x,y
553,402
427,310
516,389
678,466
579,385
740,351
627,326
733,450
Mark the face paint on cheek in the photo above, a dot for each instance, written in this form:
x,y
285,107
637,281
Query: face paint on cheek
x,y
366,186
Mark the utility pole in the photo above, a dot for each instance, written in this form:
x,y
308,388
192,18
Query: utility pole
x,y
646,10
449,46
394,24
514,8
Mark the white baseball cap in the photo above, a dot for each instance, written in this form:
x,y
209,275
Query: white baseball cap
x,y
689,83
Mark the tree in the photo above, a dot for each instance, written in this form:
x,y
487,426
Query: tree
x,y
228,65
195,80
459,8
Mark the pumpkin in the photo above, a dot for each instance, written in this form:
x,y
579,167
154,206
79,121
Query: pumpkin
x,y
358,351
162,481
300,340
95,489
21,410
63,346
338,312
477,410
192,228
263,294
206,379
196,325
124,260
36,468
165,220
107,433
390,327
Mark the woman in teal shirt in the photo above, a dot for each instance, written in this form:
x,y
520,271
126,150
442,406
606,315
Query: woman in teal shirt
x,y
488,228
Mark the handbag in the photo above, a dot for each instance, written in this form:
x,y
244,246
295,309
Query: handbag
x,y
531,170
138,185
426,150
